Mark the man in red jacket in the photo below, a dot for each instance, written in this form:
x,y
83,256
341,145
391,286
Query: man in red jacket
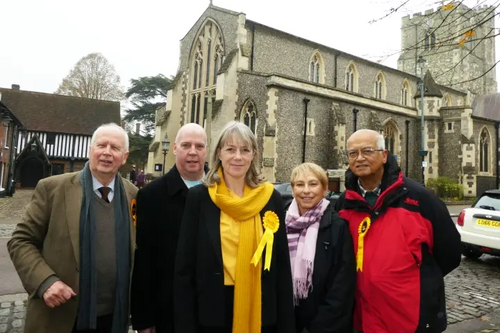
x,y
404,240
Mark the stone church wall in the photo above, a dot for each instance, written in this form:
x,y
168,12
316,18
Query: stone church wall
x,y
280,53
253,86
450,147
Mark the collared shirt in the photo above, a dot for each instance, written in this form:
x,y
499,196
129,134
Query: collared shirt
x,y
376,190
97,185
191,183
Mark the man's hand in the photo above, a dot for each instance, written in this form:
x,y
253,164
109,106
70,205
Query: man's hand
x,y
57,294
148,330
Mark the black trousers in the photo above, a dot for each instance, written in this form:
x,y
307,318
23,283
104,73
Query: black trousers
x,y
104,324
228,325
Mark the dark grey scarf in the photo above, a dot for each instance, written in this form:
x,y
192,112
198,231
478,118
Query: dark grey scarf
x,y
87,304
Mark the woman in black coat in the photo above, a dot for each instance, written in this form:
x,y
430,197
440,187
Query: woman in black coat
x,y
223,281
321,254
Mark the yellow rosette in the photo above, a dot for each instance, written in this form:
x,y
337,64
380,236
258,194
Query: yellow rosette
x,y
271,224
363,228
133,211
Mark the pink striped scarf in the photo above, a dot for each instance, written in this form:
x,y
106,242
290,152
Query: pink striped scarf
x,y
302,233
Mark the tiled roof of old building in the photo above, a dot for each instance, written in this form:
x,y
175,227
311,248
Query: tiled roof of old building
x,y
61,114
5,109
487,106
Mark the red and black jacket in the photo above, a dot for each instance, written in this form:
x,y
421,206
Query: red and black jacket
x,y
411,244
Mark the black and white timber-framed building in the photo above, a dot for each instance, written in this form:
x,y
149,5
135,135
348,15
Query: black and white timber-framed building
x,y
58,131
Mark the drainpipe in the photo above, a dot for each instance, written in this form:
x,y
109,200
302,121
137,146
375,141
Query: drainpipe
x,y
306,102
497,125
407,123
355,119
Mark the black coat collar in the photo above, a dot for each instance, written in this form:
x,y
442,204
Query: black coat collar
x,y
175,183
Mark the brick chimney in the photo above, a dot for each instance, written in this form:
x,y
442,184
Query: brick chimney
x,y
138,128
16,87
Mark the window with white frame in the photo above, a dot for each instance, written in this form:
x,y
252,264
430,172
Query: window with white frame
x,y
310,130
448,127
249,116
207,59
6,138
2,171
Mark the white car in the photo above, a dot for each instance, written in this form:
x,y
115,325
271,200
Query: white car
x,y
479,226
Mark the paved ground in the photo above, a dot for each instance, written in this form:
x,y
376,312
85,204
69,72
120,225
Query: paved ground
x,y
12,208
472,290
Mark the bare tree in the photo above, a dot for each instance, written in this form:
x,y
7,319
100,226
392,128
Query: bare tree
x,y
92,77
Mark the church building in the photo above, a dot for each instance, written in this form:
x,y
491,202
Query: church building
x,y
303,99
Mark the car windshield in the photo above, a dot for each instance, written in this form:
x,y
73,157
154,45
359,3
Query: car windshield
x,y
488,201
280,186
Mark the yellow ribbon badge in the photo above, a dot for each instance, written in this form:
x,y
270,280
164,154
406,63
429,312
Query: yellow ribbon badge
x,y
271,224
133,211
362,230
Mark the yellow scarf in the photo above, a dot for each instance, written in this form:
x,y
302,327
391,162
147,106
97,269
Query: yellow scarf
x,y
247,311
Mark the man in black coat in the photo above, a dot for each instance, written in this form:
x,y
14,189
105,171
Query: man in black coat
x,y
160,206
133,175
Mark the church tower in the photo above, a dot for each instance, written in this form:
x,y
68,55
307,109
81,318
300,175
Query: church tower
x,y
457,43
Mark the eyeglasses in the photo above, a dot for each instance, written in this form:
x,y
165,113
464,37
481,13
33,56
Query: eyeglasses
x,y
366,152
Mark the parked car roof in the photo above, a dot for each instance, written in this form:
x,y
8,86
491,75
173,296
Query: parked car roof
x,y
492,192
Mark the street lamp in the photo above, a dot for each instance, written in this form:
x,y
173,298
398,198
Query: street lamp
x,y
422,152
165,145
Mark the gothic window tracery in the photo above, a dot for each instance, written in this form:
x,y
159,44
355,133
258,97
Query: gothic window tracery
x,y
207,60
484,151
249,115
379,88
390,137
316,68
430,41
351,78
405,94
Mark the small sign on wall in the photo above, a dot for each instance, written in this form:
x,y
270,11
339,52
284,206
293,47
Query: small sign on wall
x,y
158,167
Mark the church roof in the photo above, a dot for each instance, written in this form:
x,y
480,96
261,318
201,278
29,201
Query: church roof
x,y
431,87
487,106
339,52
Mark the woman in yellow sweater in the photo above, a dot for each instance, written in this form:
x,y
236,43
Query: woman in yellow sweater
x,y
232,270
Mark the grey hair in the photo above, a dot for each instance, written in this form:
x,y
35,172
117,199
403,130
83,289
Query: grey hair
x,y
236,129
112,126
378,136
380,141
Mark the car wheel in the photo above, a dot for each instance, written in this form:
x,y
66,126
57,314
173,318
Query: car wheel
x,y
471,254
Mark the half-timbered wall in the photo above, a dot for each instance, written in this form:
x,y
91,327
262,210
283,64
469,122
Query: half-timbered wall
x,y
59,145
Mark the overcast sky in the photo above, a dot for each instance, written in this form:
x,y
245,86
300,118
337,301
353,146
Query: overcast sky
x,y
42,40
